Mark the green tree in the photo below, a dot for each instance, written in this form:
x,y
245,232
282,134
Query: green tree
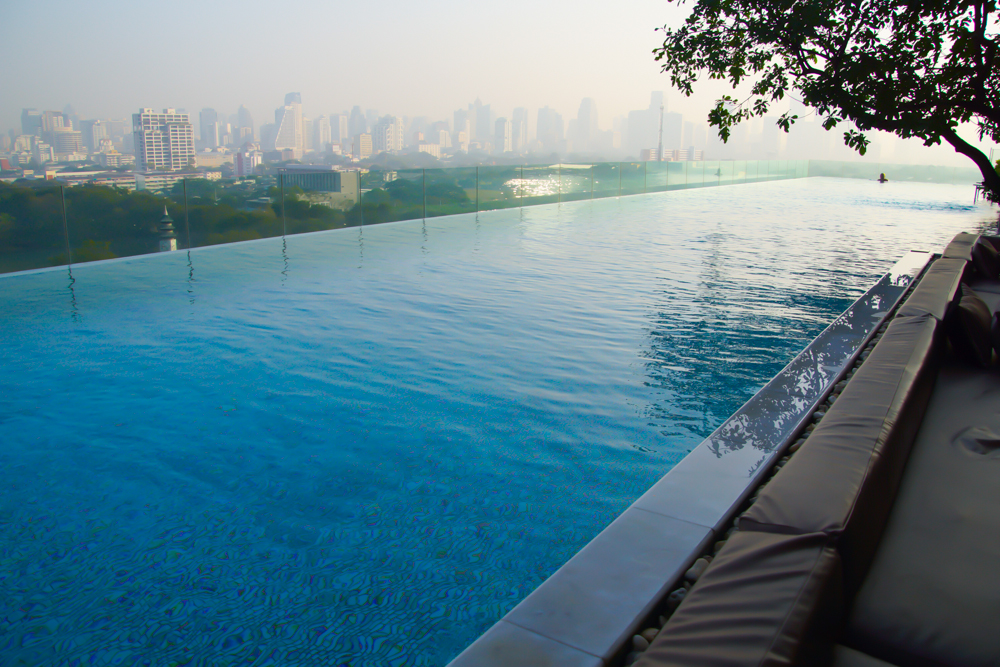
x,y
915,68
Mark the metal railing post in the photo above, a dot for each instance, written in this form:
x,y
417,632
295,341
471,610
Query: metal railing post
x,y
281,181
477,189
187,222
69,252
423,175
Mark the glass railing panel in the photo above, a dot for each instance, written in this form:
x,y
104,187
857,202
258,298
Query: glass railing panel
x,y
105,223
576,182
450,191
219,213
656,176
540,184
677,175
740,171
633,178
498,188
726,171
392,195
32,235
317,201
695,174
607,179
713,173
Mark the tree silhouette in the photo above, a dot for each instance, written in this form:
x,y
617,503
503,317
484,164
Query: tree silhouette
x,y
918,68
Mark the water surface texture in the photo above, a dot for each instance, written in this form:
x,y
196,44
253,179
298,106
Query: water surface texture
x,y
363,447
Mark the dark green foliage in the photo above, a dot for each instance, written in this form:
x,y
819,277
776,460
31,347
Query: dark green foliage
x,y
108,222
918,68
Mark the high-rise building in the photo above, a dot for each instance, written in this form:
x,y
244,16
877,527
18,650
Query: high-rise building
x,y
31,122
67,140
519,138
338,128
163,141
290,134
642,129
93,131
673,127
208,124
308,138
503,137
584,128
245,122
362,146
322,133
246,162
358,124
550,129
388,135
268,131
481,120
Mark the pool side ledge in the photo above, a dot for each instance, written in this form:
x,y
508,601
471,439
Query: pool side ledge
x,y
586,613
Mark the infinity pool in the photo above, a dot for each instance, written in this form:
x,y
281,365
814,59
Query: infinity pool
x,y
362,447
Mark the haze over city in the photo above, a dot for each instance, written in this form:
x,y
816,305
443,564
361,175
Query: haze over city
x,y
110,58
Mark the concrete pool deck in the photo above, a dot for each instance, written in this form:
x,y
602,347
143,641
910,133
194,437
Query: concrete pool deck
x,y
587,612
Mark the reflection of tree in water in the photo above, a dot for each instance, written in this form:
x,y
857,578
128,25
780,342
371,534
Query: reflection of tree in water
x,y
717,340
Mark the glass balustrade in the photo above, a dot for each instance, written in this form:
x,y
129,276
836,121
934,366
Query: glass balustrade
x,y
97,222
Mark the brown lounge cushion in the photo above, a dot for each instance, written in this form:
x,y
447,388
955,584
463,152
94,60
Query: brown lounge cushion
x,y
969,329
765,600
986,259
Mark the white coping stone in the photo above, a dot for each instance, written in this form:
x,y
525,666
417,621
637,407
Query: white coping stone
x,y
507,645
592,601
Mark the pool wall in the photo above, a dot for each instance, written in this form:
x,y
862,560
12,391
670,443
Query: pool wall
x,y
586,613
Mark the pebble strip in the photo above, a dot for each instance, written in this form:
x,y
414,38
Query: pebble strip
x,y
642,641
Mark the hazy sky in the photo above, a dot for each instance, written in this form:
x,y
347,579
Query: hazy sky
x,y
109,58
408,58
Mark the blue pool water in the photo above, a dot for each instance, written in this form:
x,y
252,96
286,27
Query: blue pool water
x,y
363,447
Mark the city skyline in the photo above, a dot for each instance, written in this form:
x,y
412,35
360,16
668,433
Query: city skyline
x,y
429,61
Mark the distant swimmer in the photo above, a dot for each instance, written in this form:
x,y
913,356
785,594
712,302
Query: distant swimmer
x,y
882,178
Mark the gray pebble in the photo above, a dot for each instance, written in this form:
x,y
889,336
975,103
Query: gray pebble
x,y
696,570
640,643
674,599
649,634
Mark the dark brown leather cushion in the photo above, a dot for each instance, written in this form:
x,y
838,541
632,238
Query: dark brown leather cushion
x,y
845,477
765,600
932,596
969,329
937,290
986,260
961,246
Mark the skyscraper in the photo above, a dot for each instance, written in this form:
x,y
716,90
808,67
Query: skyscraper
x,y
503,137
388,135
358,124
163,141
323,134
31,122
550,129
245,120
290,134
208,124
519,138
